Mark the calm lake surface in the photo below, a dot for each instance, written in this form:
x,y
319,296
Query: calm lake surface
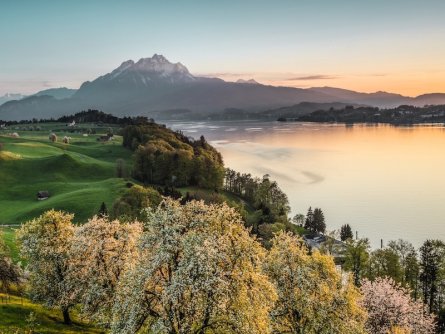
x,y
386,182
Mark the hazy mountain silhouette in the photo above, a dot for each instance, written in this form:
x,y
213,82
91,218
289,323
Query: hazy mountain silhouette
x,y
10,97
156,87
57,93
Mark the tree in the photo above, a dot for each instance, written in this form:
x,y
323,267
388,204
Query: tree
x,y
385,263
431,266
103,211
315,222
388,305
319,222
121,169
309,223
299,219
346,232
101,251
408,262
129,207
45,244
356,258
268,195
9,273
412,272
311,295
53,137
198,272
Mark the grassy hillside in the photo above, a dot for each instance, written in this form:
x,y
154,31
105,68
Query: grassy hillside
x,y
8,235
15,312
79,176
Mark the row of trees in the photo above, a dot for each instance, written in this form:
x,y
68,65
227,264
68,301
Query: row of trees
x,y
195,268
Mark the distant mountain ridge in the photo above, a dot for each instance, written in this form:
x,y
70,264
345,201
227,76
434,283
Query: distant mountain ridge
x,y
57,93
10,97
156,86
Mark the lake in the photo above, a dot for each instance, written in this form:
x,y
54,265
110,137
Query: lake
x,y
386,182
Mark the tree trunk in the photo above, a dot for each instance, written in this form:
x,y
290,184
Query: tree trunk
x,y
66,316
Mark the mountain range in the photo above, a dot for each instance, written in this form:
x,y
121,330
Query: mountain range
x,y
155,87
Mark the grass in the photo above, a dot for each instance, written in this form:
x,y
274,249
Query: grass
x,y
79,176
15,311
8,234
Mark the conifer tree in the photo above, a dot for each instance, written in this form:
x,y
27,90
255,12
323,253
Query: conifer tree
x,y
346,232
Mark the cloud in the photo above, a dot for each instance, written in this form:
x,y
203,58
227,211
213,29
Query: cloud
x,y
314,77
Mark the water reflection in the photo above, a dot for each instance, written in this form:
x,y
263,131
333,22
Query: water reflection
x,y
387,182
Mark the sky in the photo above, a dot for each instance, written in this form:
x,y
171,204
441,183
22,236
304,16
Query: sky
x,y
363,45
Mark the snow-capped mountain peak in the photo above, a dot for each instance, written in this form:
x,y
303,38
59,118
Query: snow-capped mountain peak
x,y
149,69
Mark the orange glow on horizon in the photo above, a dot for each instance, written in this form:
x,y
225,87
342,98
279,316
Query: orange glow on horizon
x,y
406,84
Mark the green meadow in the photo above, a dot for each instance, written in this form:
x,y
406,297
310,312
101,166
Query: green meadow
x,y
79,176
15,318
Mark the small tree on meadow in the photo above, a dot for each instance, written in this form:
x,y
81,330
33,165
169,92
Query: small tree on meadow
x,y
45,243
121,170
53,137
103,211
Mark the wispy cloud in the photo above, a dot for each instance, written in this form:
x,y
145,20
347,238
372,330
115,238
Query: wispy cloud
x,y
314,77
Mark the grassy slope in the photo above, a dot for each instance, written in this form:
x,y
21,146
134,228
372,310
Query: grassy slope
x,y
80,176
14,313
8,234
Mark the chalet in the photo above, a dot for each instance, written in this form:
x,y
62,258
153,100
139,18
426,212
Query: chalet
x,y
42,195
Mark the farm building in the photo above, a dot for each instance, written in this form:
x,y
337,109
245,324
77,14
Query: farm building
x,y
42,195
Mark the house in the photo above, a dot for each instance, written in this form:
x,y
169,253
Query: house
x,y
42,195
335,248
73,123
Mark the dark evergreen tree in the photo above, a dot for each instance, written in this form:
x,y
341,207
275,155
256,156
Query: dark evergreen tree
x,y
431,263
309,223
103,212
319,222
346,232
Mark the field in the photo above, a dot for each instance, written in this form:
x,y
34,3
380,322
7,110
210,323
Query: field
x,y
14,312
79,176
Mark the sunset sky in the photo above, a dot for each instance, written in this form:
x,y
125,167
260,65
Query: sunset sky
x,y
390,45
